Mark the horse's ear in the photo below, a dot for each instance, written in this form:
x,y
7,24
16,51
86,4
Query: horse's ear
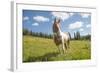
x,y
55,20
59,21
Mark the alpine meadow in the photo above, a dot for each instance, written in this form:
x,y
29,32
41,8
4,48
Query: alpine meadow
x,y
38,36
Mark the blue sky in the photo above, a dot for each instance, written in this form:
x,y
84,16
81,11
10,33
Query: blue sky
x,y
42,21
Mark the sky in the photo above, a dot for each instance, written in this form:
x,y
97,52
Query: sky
x,y
42,21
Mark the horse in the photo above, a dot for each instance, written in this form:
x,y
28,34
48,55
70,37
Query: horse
x,y
60,38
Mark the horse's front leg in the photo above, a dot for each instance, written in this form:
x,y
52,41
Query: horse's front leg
x,y
58,47
63,47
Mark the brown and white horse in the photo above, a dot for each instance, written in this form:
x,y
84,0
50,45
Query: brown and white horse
x,y
60,38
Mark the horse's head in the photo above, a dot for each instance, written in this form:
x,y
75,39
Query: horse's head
x,y
56,25
57,21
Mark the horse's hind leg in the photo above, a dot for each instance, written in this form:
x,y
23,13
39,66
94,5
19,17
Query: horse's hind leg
x,y
59,49
65,45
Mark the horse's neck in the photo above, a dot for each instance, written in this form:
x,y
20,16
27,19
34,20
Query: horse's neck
x,y
59,32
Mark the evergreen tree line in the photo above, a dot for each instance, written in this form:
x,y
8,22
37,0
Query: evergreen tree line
x,y
77,35
37,34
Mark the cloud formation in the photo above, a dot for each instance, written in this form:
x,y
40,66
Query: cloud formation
x,y
62,15
35,24
76,25
81,29
71,14
85,15
87,26
25,18
41,19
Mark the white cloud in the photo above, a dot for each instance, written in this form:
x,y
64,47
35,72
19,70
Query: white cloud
x,y
71,14
35,24
85,15
25,18
62,15
76,25
88,25
81,29
41,19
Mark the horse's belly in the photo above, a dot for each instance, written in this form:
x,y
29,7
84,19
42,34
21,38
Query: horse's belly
x,y
65,36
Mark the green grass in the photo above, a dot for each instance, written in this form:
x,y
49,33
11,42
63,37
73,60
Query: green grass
x,y
36,49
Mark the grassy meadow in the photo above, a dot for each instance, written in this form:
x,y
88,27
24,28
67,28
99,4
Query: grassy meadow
x,y
36,49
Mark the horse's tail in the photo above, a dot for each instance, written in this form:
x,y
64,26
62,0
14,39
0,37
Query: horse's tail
x,y
69,39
